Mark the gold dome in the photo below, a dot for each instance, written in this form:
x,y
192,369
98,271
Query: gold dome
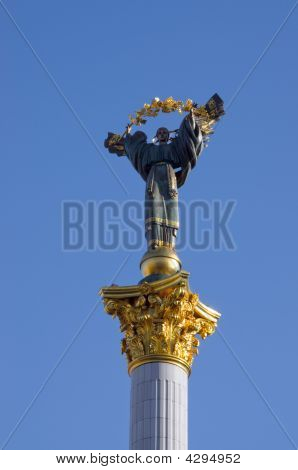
x,y
161,260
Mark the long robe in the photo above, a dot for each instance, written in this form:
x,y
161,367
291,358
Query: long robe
x,y
157,164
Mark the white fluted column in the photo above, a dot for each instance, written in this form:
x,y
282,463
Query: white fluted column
x,y
159,401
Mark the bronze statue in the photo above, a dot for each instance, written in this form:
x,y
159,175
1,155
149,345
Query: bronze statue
x,y
165,164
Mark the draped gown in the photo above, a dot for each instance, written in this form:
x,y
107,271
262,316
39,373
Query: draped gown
x,y
165,168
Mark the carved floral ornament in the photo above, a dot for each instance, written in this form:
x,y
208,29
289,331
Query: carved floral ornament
x,y
161,323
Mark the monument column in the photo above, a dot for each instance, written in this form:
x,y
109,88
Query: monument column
x,y
160,321
160,317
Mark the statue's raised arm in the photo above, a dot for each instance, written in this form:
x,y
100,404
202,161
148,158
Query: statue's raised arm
x,y
187,146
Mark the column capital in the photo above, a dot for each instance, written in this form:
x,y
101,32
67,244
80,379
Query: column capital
x,y
160,320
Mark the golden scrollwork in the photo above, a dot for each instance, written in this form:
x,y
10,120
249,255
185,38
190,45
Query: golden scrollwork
x,y
160,321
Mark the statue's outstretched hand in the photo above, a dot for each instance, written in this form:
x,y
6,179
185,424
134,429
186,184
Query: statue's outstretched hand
x,y
128,128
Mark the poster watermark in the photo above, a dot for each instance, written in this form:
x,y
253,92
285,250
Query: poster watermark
x,y
109,225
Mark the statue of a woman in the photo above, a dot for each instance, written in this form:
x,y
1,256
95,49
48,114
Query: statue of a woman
x,y
164,166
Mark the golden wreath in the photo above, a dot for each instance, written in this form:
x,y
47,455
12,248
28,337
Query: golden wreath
x,y
208,114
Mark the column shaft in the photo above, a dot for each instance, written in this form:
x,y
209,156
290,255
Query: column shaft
x,y
159,400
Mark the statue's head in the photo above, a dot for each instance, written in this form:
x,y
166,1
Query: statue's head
x,y
162,135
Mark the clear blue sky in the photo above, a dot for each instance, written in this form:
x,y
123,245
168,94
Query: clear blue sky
x,y
108,58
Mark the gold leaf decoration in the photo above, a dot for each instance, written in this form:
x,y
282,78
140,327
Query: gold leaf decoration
x,y
158,322
207,115
170,105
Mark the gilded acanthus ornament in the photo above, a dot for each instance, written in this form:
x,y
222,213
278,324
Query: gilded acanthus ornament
x,y
160,320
